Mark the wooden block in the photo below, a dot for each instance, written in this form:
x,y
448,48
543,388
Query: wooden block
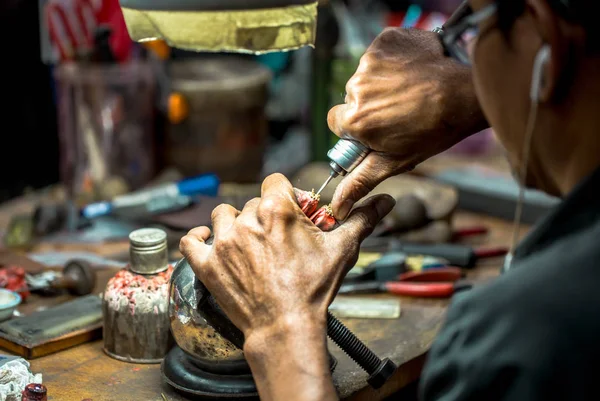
x,y
54,329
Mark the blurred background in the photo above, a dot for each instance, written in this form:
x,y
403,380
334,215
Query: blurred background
x,y
104,116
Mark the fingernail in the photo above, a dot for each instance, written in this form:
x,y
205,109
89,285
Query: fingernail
x,y
385,205
344,209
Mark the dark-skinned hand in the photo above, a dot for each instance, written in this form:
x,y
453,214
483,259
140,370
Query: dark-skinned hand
x,y
407,102
269,262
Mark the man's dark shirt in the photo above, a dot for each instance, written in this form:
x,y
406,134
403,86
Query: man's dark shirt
x,y
533,333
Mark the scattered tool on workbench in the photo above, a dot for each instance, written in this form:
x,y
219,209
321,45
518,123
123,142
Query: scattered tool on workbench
x,y
77,278
435,283
456,255
158,199
136,300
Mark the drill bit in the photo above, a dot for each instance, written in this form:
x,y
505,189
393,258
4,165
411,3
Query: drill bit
x,y
327,181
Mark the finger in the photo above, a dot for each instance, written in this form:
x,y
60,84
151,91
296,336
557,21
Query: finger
x,y
336,119
222,218
202,233
251,205
362,180
193,246
278,185
362,221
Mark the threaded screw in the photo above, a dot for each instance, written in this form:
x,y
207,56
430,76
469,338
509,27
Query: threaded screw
x,y
379,370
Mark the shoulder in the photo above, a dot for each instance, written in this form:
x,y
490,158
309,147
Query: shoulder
x,y
522,330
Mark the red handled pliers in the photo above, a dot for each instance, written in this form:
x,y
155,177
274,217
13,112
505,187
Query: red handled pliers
x,y
433,283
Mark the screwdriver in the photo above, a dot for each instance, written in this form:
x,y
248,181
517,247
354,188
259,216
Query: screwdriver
x,y
344,157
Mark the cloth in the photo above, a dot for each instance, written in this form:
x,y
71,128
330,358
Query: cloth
x,y
531,334
14,376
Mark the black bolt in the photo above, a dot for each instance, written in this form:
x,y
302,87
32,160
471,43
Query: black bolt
x,y
379,370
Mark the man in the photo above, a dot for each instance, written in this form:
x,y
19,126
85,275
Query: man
x,y
529,335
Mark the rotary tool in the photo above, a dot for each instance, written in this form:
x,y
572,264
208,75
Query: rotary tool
x,y
344,157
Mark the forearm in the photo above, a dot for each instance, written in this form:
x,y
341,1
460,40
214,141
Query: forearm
x,y
289,360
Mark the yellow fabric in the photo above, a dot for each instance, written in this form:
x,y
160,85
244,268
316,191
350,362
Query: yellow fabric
x,y
247,31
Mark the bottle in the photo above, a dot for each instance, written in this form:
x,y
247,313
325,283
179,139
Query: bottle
x,y
136,300
34,392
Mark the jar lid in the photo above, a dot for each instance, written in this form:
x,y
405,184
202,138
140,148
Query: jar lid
x,y
147,237
148,252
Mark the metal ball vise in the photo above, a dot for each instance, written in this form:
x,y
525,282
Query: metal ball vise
x,y
208,359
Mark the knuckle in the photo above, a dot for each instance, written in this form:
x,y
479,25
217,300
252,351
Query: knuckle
x,y
185,244
357,123
332,120
218,210
277,208
369,59
252,202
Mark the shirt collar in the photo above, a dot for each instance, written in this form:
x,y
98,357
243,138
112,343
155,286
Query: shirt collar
x,y
577,211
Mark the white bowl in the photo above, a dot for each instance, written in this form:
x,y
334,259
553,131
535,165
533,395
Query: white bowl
x,y
9,301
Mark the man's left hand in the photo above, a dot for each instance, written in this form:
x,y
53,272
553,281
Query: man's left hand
x,y
270,264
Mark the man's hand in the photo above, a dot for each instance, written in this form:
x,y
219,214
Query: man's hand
x,y
274,273
407,102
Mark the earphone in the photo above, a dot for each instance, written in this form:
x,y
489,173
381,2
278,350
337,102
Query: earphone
x,y
541,59
537,76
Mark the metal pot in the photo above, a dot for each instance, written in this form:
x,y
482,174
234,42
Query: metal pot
x,y
200,328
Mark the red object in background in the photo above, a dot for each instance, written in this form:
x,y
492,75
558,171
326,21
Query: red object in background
x,y
121,44
71,29
435,283
35,392
13,278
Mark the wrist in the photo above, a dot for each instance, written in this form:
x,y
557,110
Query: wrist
x,y
297,329
289,358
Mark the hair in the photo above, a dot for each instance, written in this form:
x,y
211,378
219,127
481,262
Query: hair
x,y
583,12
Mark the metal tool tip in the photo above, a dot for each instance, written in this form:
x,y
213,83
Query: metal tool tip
x,y
327,181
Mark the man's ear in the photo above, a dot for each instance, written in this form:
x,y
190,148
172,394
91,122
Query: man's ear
x,y
554,31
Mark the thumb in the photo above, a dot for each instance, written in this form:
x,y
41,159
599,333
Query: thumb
x,y
363,179
362,221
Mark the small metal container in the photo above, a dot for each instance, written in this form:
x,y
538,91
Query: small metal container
x,y
148,251
136,300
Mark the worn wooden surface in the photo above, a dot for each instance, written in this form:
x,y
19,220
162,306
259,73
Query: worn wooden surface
x,y
84,372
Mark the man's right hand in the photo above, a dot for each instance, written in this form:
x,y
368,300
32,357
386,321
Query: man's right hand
x,y
407,102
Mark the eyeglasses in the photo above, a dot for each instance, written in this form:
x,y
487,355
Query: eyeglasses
x,y
459,33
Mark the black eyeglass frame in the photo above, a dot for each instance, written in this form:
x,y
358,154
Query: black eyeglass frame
x,y
459,22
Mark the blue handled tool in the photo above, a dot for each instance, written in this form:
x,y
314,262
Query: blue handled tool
x,y
160,198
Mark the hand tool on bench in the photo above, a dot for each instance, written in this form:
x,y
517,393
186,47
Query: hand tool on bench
x,y
456,254
435,283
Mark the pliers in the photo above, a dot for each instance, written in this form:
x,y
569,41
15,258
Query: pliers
x,y
434,283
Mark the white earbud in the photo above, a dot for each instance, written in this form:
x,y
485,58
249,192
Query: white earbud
x,y
541,59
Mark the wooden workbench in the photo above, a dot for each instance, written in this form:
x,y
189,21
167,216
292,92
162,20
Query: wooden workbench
x,y
86,373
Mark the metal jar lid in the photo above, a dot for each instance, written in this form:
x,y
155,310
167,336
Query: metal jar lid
x,y
148,251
